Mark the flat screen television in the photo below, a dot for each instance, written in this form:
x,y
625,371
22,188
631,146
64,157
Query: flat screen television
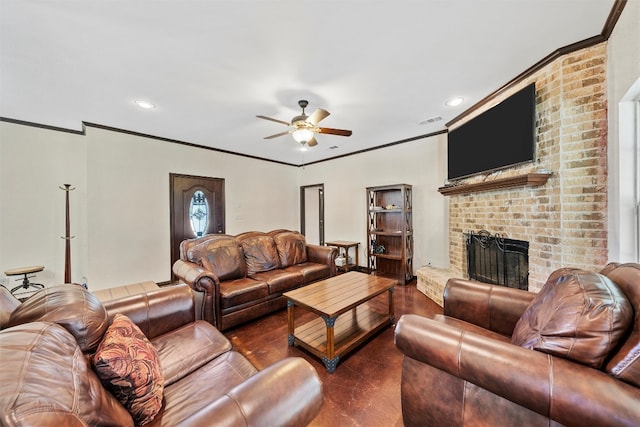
x,y
500,137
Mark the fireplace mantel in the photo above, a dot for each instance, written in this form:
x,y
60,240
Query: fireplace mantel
x,y
529,179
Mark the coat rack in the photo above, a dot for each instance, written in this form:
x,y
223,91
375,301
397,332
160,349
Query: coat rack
x,y
67,255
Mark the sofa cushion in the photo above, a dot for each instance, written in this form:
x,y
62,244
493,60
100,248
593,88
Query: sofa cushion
x,y
280,281
260,253
311,271
225,258
45,380
184,350
241,291
193,395
578,315
129,367
71,306
292,248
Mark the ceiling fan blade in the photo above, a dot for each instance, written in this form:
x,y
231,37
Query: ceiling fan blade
x,y
312,142
317,115
341,132
273,120
278,134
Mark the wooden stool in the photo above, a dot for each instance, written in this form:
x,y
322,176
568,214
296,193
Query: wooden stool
x,y
25,280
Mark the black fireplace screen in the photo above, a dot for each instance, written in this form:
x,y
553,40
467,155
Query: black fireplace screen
x,y
498,260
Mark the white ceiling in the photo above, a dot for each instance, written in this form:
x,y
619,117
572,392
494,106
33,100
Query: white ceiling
x,y
210,66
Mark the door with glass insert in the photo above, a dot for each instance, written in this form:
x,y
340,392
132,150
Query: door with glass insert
x,y
197,208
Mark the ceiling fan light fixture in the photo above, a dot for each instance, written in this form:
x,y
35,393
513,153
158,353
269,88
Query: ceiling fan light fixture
x,y
303,146
302,135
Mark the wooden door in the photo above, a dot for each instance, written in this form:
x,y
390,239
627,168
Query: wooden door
x,y
197,208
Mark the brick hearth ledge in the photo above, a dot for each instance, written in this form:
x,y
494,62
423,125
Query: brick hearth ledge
x,y
431,282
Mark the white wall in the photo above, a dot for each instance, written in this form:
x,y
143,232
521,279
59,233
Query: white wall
x,y
421,163
623,50
120,208
34,163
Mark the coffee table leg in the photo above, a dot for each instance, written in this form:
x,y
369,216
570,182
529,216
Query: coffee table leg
x,y
392,316
330,360
290,327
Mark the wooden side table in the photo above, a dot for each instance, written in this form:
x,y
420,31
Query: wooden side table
x,y
344,246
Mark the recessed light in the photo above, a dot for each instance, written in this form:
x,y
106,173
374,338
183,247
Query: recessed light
x,y
144,104
454,102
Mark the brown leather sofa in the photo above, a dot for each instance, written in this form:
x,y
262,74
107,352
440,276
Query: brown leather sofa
x,y
46,377
243,277
464,367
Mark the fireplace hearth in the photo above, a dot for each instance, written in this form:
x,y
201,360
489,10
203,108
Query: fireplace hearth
x,y
497,259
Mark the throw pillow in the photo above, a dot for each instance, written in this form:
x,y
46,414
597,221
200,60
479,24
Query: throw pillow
x,y
225,259
292,248
578,315
260,253
129,367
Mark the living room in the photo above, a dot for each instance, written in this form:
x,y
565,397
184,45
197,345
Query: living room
x,y
125,176
119,210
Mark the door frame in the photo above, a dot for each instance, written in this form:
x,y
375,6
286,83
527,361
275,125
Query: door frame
x,y
172,177
321,224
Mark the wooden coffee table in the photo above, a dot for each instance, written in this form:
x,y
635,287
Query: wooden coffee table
x,y
344,320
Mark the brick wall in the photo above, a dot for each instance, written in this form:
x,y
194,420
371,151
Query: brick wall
x,y
565,220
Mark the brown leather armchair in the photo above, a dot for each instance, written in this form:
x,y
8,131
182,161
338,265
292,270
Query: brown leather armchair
x,y
461,368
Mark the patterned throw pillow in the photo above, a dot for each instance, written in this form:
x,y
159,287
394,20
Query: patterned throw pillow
x,y
128,366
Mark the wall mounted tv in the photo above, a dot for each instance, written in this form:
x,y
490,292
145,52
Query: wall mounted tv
x,y
500,137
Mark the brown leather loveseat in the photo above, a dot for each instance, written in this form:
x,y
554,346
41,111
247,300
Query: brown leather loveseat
x,y
569,355
244,276
48,377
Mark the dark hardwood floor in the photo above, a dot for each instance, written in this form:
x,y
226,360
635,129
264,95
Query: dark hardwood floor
x,y
365,388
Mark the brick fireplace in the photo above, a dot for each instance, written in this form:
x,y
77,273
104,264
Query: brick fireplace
x,y
564,219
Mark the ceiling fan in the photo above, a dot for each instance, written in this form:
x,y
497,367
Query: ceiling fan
x,y
305,127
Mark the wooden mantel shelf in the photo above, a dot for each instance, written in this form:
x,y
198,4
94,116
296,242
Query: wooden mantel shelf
x,y
530,180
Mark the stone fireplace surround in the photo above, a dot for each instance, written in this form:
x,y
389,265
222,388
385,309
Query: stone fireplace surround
x,y
564,219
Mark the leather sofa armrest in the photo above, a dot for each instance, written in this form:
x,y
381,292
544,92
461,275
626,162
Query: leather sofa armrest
x,y
492,307
287,393
202,280
545,384
157,312
8,303
323,255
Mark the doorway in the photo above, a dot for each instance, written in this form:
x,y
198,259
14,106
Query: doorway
x,y
196,208
312,213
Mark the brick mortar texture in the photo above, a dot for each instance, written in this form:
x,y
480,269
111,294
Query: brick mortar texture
x,y
565,221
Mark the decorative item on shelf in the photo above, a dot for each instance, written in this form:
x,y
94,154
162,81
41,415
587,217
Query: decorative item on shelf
x,y
378,249
389,207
